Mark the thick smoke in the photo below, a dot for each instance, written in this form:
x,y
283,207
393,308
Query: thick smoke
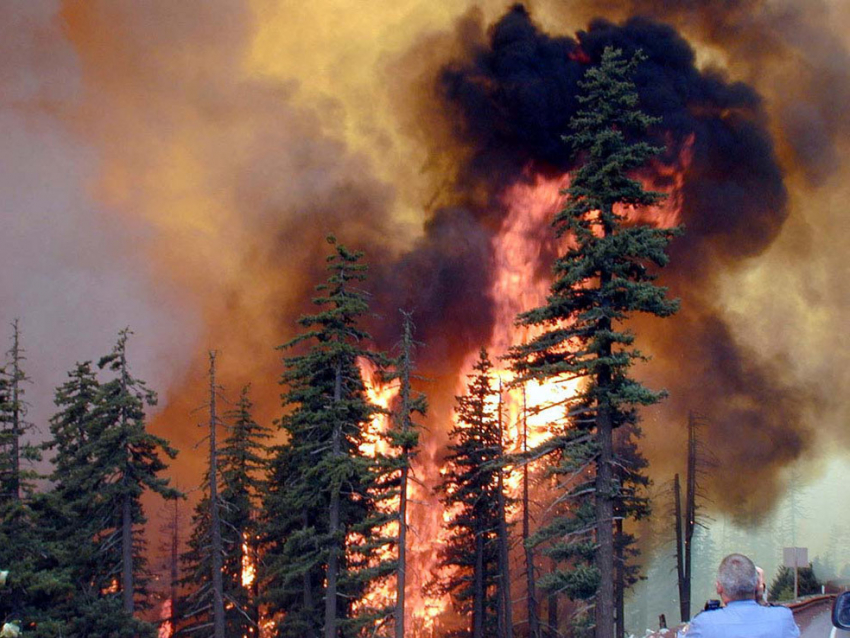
x,y
175,167
512,95
72,274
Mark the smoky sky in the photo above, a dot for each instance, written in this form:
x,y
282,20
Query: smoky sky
x,y
510,99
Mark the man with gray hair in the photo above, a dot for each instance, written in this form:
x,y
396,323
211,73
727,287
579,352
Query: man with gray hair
x,y
742,616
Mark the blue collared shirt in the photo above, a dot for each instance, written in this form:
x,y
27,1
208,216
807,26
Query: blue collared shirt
x,y
744,619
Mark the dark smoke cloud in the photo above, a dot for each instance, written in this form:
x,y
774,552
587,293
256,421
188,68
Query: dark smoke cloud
x,y
444,281
784,47
514,94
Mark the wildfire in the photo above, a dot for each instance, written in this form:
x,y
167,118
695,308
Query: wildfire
x,y
165,628
249,569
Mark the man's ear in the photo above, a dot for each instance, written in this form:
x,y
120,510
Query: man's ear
x,y
718,587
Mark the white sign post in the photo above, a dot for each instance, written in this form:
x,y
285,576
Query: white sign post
x,y
795,557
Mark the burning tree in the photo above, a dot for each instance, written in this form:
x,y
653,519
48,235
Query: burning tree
x,y
404,437
473,494
239,463
600,280
321,516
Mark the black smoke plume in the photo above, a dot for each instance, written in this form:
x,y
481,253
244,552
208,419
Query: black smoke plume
x,y
510,98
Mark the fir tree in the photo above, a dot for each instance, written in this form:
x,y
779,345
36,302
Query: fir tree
x,y
15,481
241,466
470,490
321,515
128,460
601,279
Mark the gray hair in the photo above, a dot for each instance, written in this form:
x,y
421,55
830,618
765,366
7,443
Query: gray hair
x,y
737,576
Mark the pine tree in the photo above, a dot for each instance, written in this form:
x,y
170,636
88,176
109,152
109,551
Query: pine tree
x,y
238,464
243,466
470,491
321,519
129,460
76,560
601,279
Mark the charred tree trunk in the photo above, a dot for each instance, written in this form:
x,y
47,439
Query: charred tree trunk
x,y
680,566
531,599
690,513
401,580
333,522
504,598
175,566
215,523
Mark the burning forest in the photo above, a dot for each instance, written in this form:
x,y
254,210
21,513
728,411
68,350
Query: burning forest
x,y
195,170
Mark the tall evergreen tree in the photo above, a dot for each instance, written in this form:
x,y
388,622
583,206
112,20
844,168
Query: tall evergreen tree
x,y
244,465
129,458
321,514
470,490
14,450
238,463
404,437
601,279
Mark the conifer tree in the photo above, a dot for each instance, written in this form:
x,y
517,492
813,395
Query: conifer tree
x,y
600,280
241,466
321,518
470,489
404,436
129,459
14,479
78,561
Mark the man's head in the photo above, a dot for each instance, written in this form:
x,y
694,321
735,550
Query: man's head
x,y
736,578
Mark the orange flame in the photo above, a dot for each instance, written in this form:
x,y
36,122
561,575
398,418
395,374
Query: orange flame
x,y
165,628
249,569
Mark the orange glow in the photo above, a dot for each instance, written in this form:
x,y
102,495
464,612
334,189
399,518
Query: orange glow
x,y
382,395
249,569
165,628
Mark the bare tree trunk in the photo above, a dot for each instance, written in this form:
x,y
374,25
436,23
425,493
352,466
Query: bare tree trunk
x,y
333,524
619,579
215,524
531,599
401,580
506,613
680,568
690,513
175,565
